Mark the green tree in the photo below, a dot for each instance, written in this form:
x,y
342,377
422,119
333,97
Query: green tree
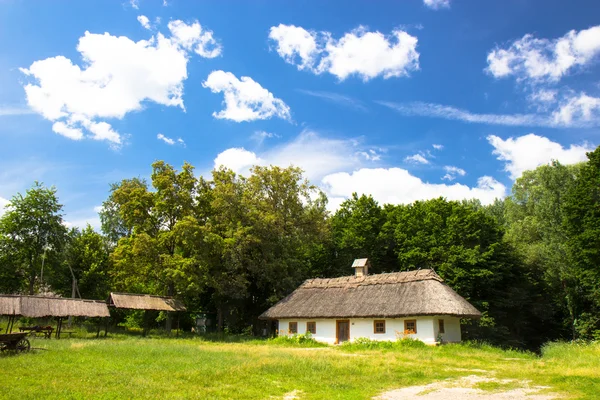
x,y
582,225
151,257
465,246
32,234
85,259
534,215
356,229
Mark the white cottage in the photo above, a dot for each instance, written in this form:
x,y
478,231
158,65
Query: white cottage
x,y
415,304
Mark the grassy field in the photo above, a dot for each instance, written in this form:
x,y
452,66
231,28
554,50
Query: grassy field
x,y
147,368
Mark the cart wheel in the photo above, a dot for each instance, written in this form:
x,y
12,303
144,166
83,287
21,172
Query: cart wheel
x,y
23,345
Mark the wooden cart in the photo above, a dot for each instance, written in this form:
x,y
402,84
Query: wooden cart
x,y
15,342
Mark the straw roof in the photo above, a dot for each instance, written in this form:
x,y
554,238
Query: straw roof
x,y
398,294
38,306
144,302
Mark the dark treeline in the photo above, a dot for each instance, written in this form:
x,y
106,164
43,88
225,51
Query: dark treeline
x,y
233,246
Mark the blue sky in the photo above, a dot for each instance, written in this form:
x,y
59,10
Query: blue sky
x,y
403,100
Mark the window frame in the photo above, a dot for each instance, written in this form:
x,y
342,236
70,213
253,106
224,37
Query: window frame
x,y
441,326
378,321
314,330
295,330
410,332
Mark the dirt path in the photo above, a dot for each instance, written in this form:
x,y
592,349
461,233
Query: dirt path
x,y
466,389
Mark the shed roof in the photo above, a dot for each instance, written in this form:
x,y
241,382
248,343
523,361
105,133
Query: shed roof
x,y
145,302
39,306
397,294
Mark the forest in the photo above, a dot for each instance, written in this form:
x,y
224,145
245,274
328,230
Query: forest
x,y
232,246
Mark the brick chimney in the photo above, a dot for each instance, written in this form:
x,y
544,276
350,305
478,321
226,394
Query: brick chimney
x,y
361,267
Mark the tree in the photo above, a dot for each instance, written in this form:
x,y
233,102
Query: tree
x,y
465,246
85,258
151,258
32,234
357,233
534,215
582,225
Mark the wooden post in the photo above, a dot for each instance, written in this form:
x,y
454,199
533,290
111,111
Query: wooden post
x,y
177,334
98,330
145,323
106,326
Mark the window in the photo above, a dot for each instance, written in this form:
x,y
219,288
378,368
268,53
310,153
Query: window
x,y
293,328
410,326
441,326
311,327
379,326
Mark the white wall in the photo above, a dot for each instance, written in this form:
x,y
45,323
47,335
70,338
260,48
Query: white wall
x,y
427,329
451,327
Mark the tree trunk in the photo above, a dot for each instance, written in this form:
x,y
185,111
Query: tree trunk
x,y
31,284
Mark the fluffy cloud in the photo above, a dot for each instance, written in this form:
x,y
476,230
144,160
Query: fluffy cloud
x,y
237,159
339,167
359,52
260,136
417,159
144,21
452,172
118,75
545,59
398,186
578,108
194,37
245,99
530,151
438,146
437,4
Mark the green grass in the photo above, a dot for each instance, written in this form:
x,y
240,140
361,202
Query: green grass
x,y
124,366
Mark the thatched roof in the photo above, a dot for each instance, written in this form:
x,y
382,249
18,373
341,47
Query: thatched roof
x,y
397,294
144,302
38,306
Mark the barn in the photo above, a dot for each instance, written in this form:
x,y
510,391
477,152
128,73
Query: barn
x,y
416,304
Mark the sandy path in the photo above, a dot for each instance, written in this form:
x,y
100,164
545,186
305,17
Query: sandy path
x,y
464,389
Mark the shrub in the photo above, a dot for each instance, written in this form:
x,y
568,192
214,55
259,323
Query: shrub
x,y
364,343
303,340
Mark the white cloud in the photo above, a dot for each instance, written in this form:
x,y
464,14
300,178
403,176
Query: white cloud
x,y
417,159
576,112
398,186
63,129
530,151
169,140
237,159
545,59
452,172
437,4
359,52
316,155
144,21
438,146
578,108
98,209
370,155
194,37
135,4
117,77
245,99
338,166
337,98
165,139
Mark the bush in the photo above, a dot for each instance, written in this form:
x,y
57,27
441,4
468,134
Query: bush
x,y
364,343
304,340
